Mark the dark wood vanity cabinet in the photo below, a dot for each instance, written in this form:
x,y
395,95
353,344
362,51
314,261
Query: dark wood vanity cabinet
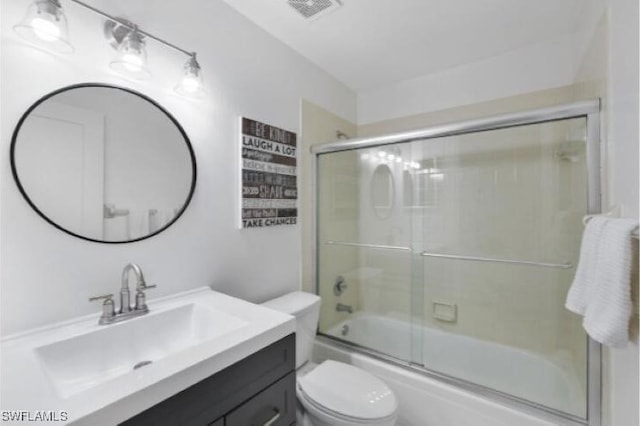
x,y
258,390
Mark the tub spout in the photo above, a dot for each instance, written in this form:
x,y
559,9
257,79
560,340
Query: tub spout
x,y
344,308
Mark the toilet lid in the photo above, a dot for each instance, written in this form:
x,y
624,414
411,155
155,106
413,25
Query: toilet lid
x,y
349,391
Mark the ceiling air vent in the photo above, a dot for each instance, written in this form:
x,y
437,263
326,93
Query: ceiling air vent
x,y
313,9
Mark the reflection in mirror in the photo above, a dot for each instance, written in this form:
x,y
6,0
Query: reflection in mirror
x,y
103,163
407,189
382,191
430,177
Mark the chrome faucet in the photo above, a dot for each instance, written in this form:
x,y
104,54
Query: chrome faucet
x,y
109,315
344,308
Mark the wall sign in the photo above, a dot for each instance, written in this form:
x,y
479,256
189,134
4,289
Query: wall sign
x,y
269,181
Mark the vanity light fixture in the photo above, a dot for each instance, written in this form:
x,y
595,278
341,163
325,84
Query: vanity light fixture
x,y
131,59
45,24
192,83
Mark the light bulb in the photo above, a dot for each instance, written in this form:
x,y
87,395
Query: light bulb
x,y
131,59
45,25
192,83
131,62
46,30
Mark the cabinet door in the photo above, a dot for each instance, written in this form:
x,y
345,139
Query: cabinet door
x,y
274,406
217,395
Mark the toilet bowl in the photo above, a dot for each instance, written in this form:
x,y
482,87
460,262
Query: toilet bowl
x,y
332,393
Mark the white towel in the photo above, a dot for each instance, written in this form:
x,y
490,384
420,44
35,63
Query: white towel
x,y
601,289
581,289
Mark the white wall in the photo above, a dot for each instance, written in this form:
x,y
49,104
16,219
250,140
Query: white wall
x,y
536,67
623,103
47,275
622,373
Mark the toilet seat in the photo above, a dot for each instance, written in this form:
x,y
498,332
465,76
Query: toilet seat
x,y
347,393
338,419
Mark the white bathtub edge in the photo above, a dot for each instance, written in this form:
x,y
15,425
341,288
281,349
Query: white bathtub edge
x,y
428,402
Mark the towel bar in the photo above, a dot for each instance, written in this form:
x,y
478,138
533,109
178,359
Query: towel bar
x,y
110,211
615,212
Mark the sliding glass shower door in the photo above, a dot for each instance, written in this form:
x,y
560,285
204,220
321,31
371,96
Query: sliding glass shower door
x,y
502,217
453,253
365,252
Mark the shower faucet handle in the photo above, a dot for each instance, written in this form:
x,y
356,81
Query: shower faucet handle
x,y
339,286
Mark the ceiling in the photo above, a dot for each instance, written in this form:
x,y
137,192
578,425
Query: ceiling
x,y
369,43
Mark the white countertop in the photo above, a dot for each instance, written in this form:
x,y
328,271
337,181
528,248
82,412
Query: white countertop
x,y
26,386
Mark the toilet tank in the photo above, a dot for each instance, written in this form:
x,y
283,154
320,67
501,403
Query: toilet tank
x,y
305,307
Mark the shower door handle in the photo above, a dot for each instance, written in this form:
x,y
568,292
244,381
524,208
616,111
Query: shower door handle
x,y
565,265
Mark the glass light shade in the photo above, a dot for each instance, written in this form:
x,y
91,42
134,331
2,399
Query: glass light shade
x,y
192,83
131,59
45,25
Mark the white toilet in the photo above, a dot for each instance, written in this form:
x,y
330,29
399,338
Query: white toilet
x,y
332,393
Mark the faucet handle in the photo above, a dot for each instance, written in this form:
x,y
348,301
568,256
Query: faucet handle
x,y
108,307
106,297
141,300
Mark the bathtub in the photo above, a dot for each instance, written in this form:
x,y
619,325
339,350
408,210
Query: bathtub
x,y
427,401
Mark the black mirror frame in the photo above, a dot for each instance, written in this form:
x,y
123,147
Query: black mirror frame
x,y
187,141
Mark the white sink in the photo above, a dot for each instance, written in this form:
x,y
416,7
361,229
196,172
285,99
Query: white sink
x,y
85,361
87,370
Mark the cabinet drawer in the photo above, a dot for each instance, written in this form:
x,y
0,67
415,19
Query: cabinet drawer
x,y
274,406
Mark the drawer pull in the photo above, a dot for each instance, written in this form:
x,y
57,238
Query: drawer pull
x,y
273,419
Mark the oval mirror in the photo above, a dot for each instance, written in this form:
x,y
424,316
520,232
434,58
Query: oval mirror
x,y
103,163
382,191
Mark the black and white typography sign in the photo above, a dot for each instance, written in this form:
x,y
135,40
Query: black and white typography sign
x,y
269,181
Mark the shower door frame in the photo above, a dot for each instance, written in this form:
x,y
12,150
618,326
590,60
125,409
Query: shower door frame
x,y
589,110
